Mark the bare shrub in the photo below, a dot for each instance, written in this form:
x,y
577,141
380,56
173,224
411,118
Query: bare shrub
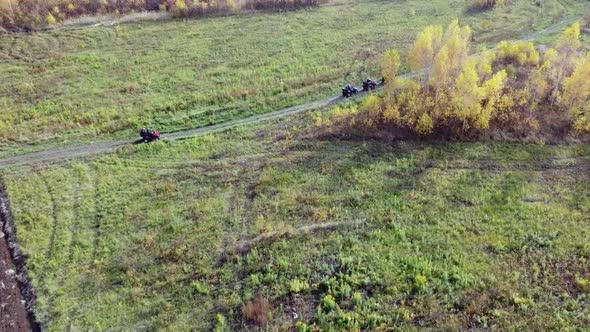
x,y
586,20
480,5
257,311
280,4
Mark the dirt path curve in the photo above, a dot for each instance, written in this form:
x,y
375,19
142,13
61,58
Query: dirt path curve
x,y
99,148
104,147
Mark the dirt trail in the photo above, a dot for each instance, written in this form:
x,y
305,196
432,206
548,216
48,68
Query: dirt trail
x,y
104,147
16,293
244,246
99,148
64,153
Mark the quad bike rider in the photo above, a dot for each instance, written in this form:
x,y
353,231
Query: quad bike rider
x,y
148,135
369,85
349,90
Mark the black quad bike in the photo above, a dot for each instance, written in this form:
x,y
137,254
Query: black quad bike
x,y
349,90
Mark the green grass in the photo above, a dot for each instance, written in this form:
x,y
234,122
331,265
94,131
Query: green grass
x,y
76,85
457,236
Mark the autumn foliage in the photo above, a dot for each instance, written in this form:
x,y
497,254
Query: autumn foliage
x,y
27,15
514,91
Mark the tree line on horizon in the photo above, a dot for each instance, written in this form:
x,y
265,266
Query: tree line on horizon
x,y
30,15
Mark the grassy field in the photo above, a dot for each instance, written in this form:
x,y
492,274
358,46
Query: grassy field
x,y
77,85
241,230
452,236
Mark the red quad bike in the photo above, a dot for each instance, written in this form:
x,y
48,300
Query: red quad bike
x,y
369,85
149,135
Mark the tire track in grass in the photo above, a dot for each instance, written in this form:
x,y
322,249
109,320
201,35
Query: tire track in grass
x,y
84,236
243,192
74,229
74,226
54,256
486,165
85,282
54,221
98,216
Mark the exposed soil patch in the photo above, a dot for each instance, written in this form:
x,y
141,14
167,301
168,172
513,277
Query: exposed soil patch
x,y
16,293
244,246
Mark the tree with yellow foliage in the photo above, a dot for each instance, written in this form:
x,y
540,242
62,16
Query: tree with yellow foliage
x,y
424,50
449,59
180,5
520,52
492,93
569,41
575,94
475,102
408,103
510,89
467,95
8,6
50,19
391,114
576,88
372,108
567,48
485,61
539,82
390,67
425,126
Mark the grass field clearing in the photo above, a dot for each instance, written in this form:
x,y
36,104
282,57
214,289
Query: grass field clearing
x,y
248,228
79,85
454,236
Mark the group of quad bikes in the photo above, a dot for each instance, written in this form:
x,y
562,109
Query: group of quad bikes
x,y
148,135
368,85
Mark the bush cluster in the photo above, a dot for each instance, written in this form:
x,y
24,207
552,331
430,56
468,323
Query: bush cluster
x,y
485,4
257,311
28,15
586,20
514,90
279,4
